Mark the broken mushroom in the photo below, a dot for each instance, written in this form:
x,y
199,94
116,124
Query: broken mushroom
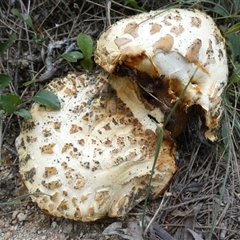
x,y
93,158
164,51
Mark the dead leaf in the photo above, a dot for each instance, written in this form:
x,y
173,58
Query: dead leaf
x,y
195,235
132,232
157,232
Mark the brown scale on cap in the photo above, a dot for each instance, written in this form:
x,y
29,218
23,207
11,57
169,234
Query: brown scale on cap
x,y
52,185
50,171
196,22
164,43
155,28
177,29
132,29
193,51
48,149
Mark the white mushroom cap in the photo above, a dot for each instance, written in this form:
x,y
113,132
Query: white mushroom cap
x,y
93,158
172,47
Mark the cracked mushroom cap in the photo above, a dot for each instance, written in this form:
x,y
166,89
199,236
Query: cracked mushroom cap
x,y
93,158
166,49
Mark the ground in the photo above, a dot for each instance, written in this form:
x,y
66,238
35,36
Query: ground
x,y
203,198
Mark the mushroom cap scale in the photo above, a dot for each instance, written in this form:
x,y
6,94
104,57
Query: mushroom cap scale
x,y
93,158
177,44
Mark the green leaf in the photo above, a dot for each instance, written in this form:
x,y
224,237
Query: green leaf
x,y
29,82
236,76
23,113
72,56
85,44
5,45
4,80
219,9
36,39
134,4
234,44
87,63
9,102
26,18
1,112
233,29
47,99
17,13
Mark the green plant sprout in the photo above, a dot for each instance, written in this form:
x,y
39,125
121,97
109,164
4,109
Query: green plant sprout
x,y
28,20
160,133
134,4
11,103
85,44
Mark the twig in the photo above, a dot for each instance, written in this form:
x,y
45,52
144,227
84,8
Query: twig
x,y
160,232
129,8
0,140
51,66
155,215
108,9
187,202
156,231
26,30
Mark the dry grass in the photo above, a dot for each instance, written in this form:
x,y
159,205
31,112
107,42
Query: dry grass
x,y
204,195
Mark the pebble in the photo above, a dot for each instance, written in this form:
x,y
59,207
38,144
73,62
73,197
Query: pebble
x,y
21,217
1,223
14,214
68,228
54,224
8,235
14,222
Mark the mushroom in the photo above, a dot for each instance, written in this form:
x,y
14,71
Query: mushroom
x,y
94,157
166,52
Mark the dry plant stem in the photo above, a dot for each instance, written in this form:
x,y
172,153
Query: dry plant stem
x,y
49,14
117,12
97,4
1,139
155,215
108,10
27,32
13,151
1,125
123,6
160,132
229,149
18,200
19,47
160,232
9,119
51,67
158,148
187,202
223,213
